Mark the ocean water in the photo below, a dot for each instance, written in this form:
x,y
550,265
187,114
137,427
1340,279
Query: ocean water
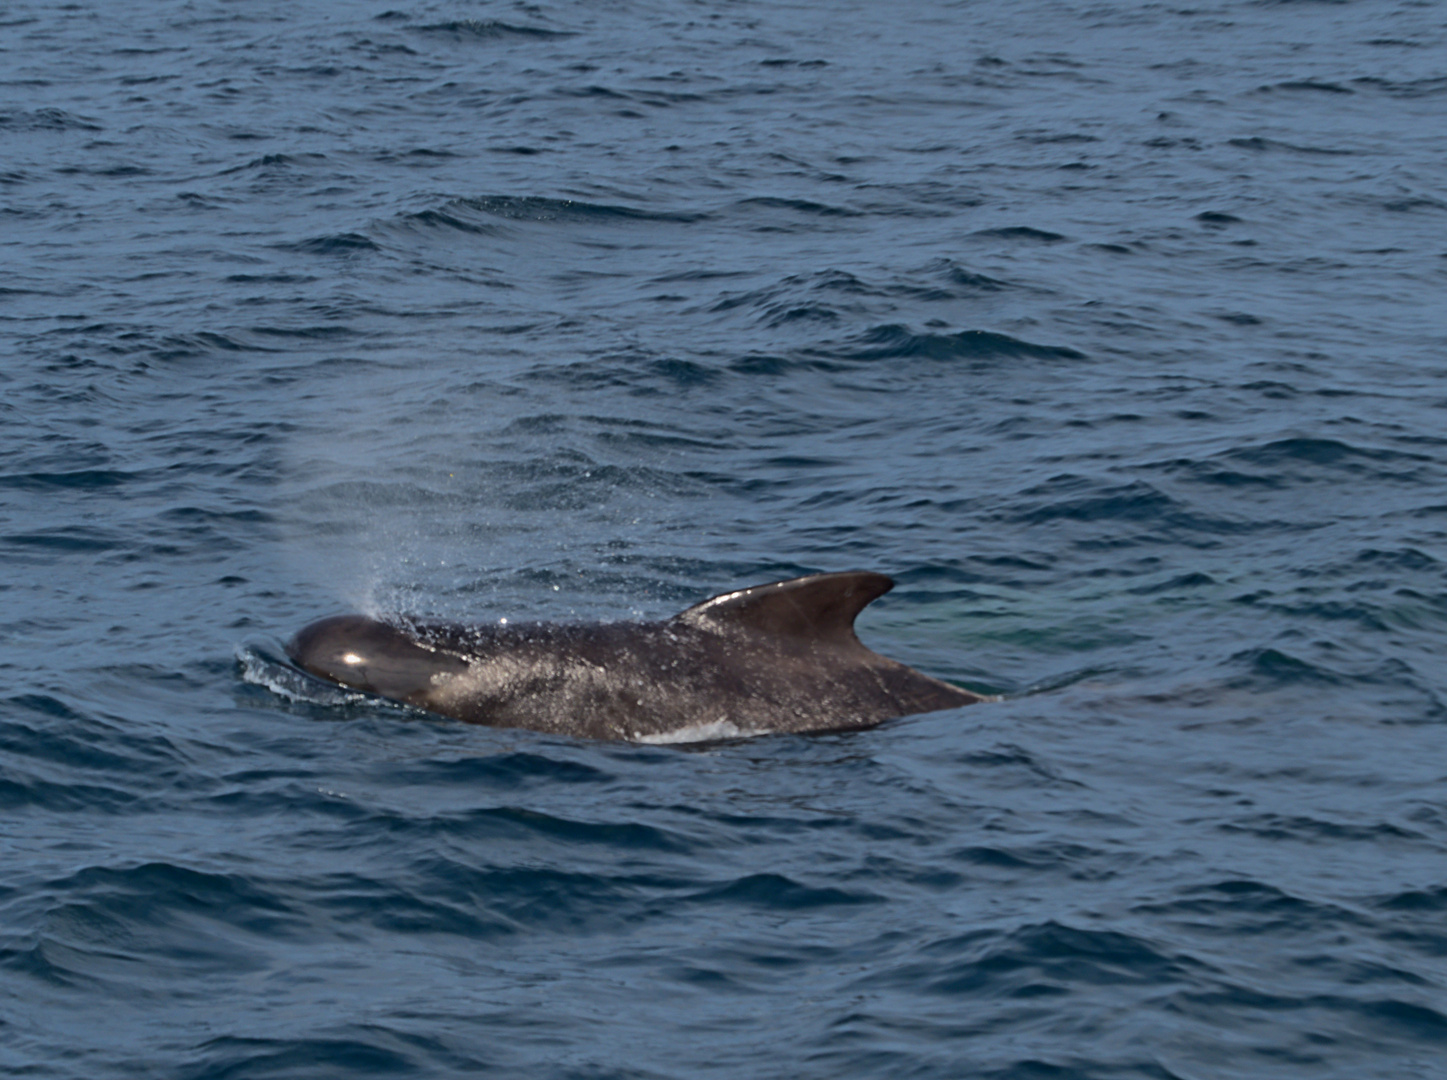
x,y
1114,332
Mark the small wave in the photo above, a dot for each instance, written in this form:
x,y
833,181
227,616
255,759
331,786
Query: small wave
x,y
1155,513
1308,84
270,279
1276,666
1008,756
1193,580
1428,900
276,161
762,364
451,216
194,200
447,895
500,772
1312,830
894,341
1256,142
971,281
45,120
19,791
76,539
1036,960
1414,88
1022,232
129,894
488,30
313,333
336,244
632,373
780,893
1332,453
367,1050
1053,683
539,208
587,835
801,206
81,479
1235,904
1287,463
186,346
1411,205
595,92
1404,559
1049,857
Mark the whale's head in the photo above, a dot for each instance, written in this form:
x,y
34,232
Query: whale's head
x,y
369,655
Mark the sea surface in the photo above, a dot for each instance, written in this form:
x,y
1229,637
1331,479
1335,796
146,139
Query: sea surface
x,y
1114,332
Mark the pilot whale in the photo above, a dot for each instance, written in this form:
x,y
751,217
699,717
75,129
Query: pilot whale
x,y
781,657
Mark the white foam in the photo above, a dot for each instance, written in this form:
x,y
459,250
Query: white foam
x,y
285,681
711,731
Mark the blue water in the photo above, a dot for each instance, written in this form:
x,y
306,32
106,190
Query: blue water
x,y
1114,332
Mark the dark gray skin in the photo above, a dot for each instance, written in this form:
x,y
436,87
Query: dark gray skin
x,y
780,657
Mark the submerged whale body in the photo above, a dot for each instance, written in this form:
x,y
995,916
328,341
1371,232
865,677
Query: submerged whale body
x,y
780,657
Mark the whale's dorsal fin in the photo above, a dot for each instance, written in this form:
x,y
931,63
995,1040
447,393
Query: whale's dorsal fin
x,y
819,608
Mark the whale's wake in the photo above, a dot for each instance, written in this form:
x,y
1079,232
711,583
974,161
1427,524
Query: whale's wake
x,y
264,664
